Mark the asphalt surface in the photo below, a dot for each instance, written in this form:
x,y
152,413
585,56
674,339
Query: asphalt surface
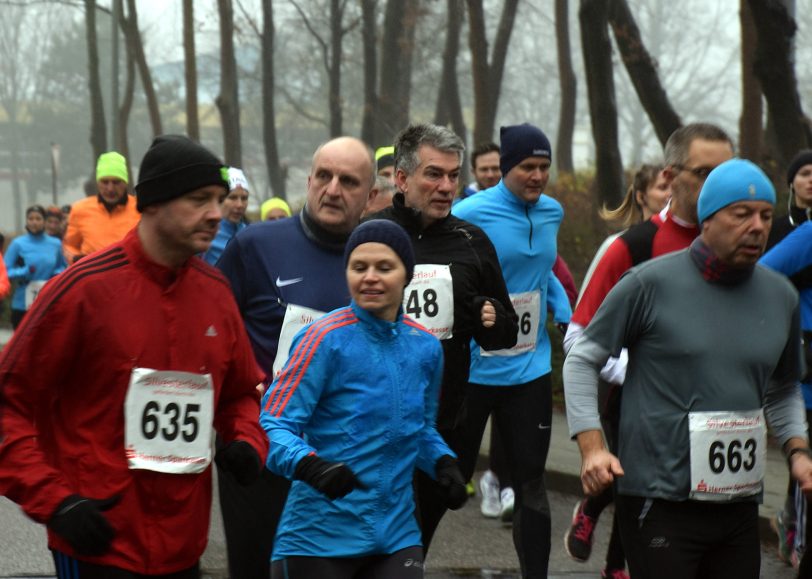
x,y
466,545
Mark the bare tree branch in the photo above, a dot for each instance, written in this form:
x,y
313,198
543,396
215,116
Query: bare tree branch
x,y
325,50
251,22
294,102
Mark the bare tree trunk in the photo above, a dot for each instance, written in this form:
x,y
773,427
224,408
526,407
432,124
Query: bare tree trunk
x,y
137,47
499,56
123,145
396,68
775,69
276,175
228,100
642,71
368,34
566,74
750,131
190,69
597,49
488,76
449,107
16,192
334,70
98,124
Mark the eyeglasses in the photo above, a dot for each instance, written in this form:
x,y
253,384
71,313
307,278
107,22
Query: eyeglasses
x,y
698,172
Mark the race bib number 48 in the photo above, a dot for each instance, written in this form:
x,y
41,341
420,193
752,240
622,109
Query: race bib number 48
x,y
728,452
429,299
168,421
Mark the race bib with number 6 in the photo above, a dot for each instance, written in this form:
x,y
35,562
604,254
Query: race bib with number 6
x,y
728,453
168,421
528,308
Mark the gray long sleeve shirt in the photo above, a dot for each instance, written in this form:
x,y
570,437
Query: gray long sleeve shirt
x,y
694,346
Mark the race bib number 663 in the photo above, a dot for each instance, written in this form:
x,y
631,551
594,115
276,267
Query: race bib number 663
x,y
168,421
728,452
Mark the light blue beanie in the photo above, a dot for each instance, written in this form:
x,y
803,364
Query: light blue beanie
x,y
733,181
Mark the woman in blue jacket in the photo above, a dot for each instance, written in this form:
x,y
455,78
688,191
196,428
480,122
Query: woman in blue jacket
x,y
791,256
350,417
31,260
233,208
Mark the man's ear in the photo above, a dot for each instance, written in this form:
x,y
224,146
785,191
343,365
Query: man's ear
x,y
668,174
372,194
400,180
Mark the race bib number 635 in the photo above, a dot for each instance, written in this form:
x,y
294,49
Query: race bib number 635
x,y
168,421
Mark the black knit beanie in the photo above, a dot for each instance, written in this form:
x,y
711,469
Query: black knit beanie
x,y
518,142
802,158
173,166
390,234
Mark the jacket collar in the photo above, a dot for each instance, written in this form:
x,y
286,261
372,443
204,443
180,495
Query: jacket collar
x,y
320,236
377,327
164,276
507,196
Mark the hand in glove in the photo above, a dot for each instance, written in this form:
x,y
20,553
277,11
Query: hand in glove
x,y
79,520
452,485
241,460
334,479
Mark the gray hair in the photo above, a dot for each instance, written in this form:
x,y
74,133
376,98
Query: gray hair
x,y
410,139
384,185
676,148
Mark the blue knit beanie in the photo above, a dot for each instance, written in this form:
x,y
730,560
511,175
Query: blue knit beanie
x,y
390,234
518,142
733,181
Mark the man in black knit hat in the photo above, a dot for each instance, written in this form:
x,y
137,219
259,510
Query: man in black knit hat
x,y
107,438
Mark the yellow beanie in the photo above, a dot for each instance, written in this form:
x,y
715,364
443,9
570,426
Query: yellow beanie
x,y
112,164
273,203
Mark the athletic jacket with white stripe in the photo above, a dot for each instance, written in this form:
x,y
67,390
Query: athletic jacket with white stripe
x,y
362,391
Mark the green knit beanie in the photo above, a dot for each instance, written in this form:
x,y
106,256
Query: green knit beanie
x,y
112,164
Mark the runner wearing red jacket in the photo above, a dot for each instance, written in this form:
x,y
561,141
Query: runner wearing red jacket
x,y
113,383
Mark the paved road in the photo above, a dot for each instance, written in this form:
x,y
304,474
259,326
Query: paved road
x,y
467,545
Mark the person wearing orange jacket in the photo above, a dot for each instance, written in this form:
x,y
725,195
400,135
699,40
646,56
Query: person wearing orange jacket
x,y
118,375
96,222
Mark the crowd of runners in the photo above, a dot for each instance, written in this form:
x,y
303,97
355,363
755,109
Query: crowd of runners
x,y
339,363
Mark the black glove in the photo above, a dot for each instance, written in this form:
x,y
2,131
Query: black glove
x,y
334,479
79,520
452,485
241,460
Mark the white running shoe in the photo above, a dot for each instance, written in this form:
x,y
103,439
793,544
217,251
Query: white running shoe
x,y
491,506
506,498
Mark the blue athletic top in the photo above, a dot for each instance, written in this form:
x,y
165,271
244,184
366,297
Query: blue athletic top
x,y
524,235
32,258
362,391
790,256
